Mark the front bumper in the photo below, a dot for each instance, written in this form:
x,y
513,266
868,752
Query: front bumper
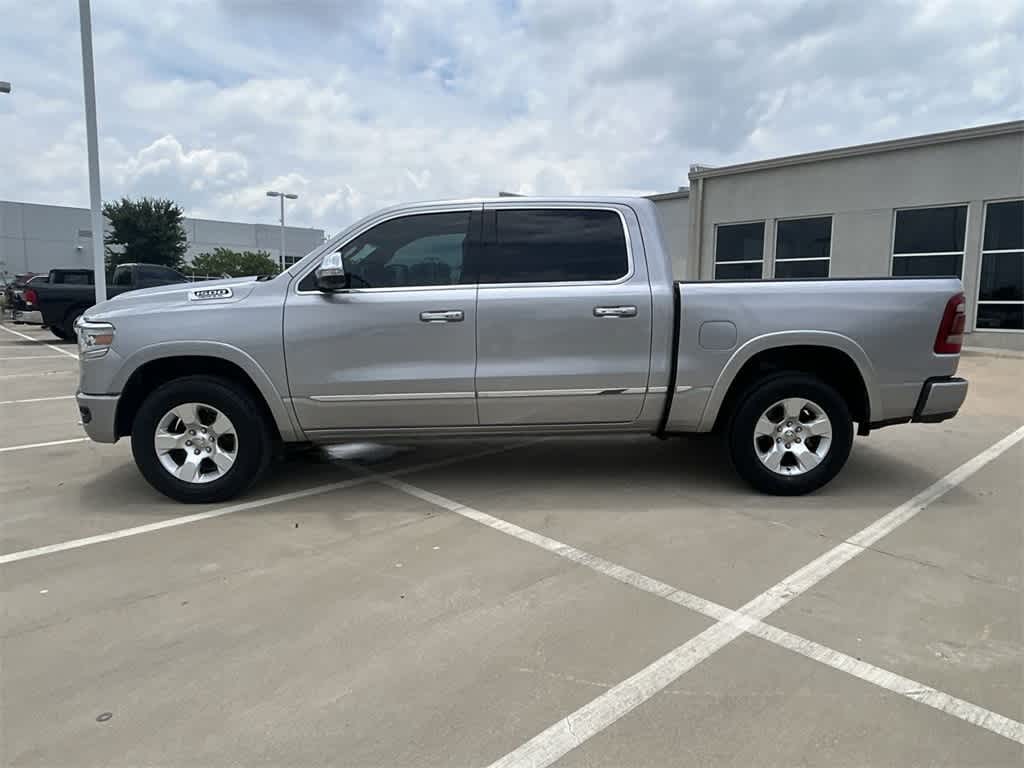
x,y
940,399
99,416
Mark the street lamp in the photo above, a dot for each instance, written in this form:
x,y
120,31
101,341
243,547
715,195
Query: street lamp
x,y
92,145
283,196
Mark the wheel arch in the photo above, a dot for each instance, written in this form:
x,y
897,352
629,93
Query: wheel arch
x,y
152,366
64,318
833,357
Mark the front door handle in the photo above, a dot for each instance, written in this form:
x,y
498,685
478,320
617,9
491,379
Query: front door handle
x,y
443,316
621,311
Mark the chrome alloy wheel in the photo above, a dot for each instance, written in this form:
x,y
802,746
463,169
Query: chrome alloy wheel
x,y
793,436
196,443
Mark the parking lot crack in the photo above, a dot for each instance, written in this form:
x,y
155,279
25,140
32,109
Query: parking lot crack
x,y
568,724
565,677
944,568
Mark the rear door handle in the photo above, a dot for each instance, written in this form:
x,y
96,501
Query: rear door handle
x,y
443,316
622,311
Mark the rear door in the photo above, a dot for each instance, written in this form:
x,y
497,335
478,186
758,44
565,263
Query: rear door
x,y
563,315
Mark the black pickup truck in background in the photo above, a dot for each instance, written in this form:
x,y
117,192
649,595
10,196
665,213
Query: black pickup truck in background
x,y
67,293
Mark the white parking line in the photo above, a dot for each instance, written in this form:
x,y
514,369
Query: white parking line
x,y
37,400
10,448
26,554
29,357
592,718
883,678
38,373
38,341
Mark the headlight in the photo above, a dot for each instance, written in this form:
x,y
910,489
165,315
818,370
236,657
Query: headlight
x,y
94,339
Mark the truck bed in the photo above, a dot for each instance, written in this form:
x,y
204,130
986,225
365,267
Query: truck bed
x,y
886,326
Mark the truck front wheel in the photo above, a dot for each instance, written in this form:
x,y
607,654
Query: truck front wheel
x,y
791,434
200,439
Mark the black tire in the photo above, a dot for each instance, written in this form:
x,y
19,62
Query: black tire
x,y
69,323
761,397
254,446
59,333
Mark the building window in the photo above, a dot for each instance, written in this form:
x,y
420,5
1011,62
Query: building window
x,y
739,251
929,242
803,247
1001,285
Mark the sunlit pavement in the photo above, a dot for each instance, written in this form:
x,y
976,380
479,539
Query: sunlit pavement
x,y
457,603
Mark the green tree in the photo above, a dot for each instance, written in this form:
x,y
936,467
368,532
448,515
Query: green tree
x,y
147,230
224,261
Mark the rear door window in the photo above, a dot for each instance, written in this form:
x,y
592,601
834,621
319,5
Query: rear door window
x,y
157,275
73,278
555,246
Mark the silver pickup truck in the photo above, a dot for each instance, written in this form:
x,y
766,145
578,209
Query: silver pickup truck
x,y
513,316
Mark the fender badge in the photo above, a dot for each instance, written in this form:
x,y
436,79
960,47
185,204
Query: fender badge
x,y
203,294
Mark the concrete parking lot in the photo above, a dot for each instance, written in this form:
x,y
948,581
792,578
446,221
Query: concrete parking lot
x,y
573,602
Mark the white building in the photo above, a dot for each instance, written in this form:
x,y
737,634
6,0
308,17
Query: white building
x,y
37,238
941,204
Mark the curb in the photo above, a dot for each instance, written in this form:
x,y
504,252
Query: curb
x,y
1012,354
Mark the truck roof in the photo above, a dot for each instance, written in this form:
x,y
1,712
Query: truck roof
x,y
528,199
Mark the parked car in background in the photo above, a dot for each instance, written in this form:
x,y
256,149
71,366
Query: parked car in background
x,y
15,282
512,316
67,293
14,303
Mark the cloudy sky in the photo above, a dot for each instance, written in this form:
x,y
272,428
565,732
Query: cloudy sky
x,y
355,104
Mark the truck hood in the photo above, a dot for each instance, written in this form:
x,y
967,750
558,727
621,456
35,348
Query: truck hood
x,y
144,300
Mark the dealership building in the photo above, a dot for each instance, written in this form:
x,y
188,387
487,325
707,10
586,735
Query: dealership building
x,y
38,238
941,204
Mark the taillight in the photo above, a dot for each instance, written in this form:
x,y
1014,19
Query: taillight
x,y
951,330
30,296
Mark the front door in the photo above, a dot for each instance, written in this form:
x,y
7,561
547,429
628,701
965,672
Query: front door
x,y
563,316
398,349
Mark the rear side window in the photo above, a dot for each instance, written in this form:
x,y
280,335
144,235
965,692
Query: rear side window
x,y
555,246
157,275
73,278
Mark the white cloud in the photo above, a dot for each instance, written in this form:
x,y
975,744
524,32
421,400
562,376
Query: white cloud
x,y
165,165
359,105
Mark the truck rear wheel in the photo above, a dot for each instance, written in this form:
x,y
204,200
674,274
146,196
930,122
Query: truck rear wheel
x,y
69,323
791,434
200,439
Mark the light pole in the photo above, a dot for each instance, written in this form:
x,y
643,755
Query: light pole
x,y
92,143
283,196
4,88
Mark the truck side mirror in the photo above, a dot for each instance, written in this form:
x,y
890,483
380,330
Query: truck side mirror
x,y
330,275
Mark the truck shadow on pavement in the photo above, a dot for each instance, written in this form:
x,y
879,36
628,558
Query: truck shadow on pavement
x,y
688,467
